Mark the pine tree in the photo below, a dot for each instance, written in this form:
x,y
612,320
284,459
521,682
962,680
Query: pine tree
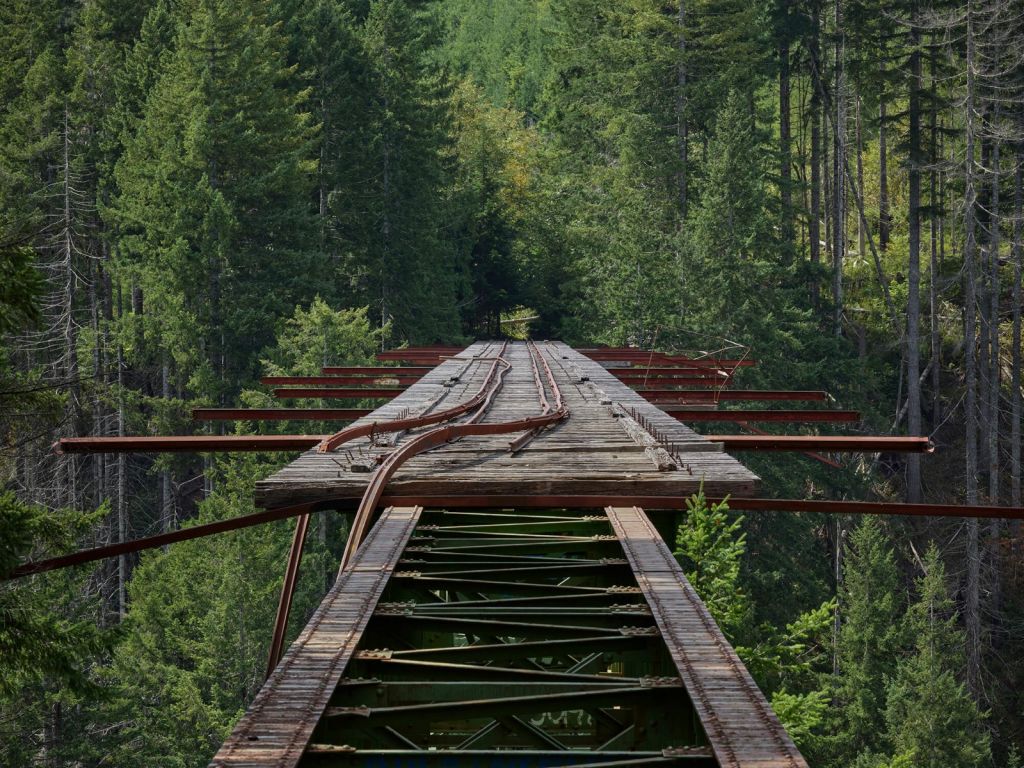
x,y
869,641
214,200
391,211
931,718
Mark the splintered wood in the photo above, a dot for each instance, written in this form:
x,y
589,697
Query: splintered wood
x,y
614,442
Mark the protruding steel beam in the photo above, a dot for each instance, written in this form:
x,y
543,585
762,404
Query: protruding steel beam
x,y
854,444
684,395
355,381
572,501
338,394
679,381
161,539
682,369
789,416
279,414
655,503
374,370
187,443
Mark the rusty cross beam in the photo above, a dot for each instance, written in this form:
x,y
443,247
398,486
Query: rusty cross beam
x,y
683,395
338,394
332,380
374,370
279,414
187,443
791,416
854,444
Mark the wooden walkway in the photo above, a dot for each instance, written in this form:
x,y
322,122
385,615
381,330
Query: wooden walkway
x,y
504,639
464,634
602,448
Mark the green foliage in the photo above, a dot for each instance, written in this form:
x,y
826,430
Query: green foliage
x,y
20,289
212,185
801,715
320,336
870,638
710,546
199,627
48,636
929,714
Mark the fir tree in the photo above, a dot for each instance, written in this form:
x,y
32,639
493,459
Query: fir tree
x,y
869,642
214,204
931,718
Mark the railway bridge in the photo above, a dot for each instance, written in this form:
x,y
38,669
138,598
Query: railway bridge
x,y
506,597
477,621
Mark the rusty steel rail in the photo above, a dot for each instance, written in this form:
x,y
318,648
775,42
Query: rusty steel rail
x,y
450,433
401,425
279,414
362,518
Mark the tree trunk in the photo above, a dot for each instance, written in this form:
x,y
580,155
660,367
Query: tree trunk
x,y
935,202
883,177
972,610
861,224
914,266
1016,404
814,219
167,517
993,324
785,148
681,132
1017,399
122,490
839,161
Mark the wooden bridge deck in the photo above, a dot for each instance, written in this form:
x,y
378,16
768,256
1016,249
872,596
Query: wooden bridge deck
x,y
598,450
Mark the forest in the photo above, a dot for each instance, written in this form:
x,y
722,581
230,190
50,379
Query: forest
x,y
196,193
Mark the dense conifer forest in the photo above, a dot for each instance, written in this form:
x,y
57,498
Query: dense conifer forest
x,y
195,193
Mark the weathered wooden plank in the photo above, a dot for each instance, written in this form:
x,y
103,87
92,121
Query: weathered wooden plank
x,y
741,726
279,723
591,452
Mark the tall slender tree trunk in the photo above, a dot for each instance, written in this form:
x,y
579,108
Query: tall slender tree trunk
x,y
983,217
883,176
69,497
972,608
935,203
1017,399
681,131
993,326
167,517
839,184
814,219
861,231
785,148
122,483
913,348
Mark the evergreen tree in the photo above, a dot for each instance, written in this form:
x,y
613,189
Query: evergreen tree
x,y
931,718
391,216
869,642
213,202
